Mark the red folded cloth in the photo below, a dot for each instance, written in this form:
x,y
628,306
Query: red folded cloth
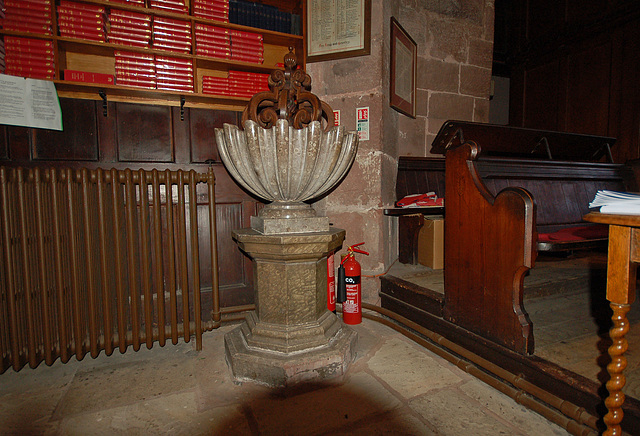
x,y
578,233
420,200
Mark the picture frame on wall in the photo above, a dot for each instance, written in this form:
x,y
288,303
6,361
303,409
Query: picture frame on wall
x,y
404,59
338,29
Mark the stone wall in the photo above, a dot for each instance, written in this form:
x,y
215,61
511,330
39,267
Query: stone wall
x,y
455,44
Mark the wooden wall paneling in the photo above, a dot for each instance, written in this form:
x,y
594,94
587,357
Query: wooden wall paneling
x,y
544,17
624,110
144,133
203,142
585,10
181,138
541,96
78,141
107,134
4,143
588,84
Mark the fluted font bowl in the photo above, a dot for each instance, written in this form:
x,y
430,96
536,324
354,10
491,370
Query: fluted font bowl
x,y
284,165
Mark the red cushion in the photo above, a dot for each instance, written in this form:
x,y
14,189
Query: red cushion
x,y
579,233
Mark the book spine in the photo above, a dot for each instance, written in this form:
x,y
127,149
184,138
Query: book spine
x,y
133,55
172,23
26,27
81,27
28,56
121,30
18,4
213,39
89,77
130,41
69,20
247,35
28,14
82,6
24,42
131,16
29,74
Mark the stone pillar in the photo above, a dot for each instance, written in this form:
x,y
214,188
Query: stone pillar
x,y
291,336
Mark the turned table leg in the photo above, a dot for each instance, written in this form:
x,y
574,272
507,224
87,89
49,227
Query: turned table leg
x,y
614,401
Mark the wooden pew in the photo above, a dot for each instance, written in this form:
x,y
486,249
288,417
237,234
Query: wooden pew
x,y
416,175
496,204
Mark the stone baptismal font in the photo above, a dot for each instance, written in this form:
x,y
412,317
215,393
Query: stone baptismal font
x,y
289,154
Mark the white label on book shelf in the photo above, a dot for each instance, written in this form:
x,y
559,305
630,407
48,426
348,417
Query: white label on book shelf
x,y
29,103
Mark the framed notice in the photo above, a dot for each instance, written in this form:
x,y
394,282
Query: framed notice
x,y
338,29
404,55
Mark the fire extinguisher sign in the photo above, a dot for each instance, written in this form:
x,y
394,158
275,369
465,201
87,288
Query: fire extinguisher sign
x,y
362,123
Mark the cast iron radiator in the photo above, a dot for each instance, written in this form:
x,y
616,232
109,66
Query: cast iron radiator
x,y
96,260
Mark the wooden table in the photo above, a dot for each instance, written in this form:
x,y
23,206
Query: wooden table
x,y
623,257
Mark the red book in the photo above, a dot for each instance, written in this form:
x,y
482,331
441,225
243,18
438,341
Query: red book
x,y
128,2
174,88
81,6
211,29
171,37
171,23
135,75
173,9
211,16
75,28
172,60
137,84
133,55
88,77
247,50
141,78
73,15
26,27
213,47
176,3
36,50
209,51
21,41
133,16
200,6
69,20
248,59
18,4
173,49
123,31
25,56
213,38
28,14
132,42
30,74
167,78
177,31
40,68
82,31
246,35
246,42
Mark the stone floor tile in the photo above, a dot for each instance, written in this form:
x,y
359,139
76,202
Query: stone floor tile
x,y
29,413
167,415
399,422
323,410
455,414
126,382
411,371
528,422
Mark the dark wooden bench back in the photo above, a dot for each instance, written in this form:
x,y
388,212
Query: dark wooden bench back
x,y
561,191
496,140
419,175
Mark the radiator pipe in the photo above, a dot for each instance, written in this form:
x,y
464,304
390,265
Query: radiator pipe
x,y
576,420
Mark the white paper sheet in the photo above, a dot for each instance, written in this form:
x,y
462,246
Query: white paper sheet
x,y
29,103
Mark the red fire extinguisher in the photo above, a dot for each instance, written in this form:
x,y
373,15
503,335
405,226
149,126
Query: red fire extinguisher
x,y
349,290
331,284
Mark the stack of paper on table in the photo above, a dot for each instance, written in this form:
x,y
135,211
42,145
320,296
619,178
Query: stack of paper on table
x,y
625,203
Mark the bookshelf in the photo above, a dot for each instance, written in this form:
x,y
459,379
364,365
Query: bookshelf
x,y
83,53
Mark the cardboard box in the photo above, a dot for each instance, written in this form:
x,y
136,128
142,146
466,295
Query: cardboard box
x,y
431,242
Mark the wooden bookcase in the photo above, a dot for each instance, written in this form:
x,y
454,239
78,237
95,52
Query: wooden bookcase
x,y
98,57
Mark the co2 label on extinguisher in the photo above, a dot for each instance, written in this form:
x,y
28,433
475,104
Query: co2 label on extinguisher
x,y
352,280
